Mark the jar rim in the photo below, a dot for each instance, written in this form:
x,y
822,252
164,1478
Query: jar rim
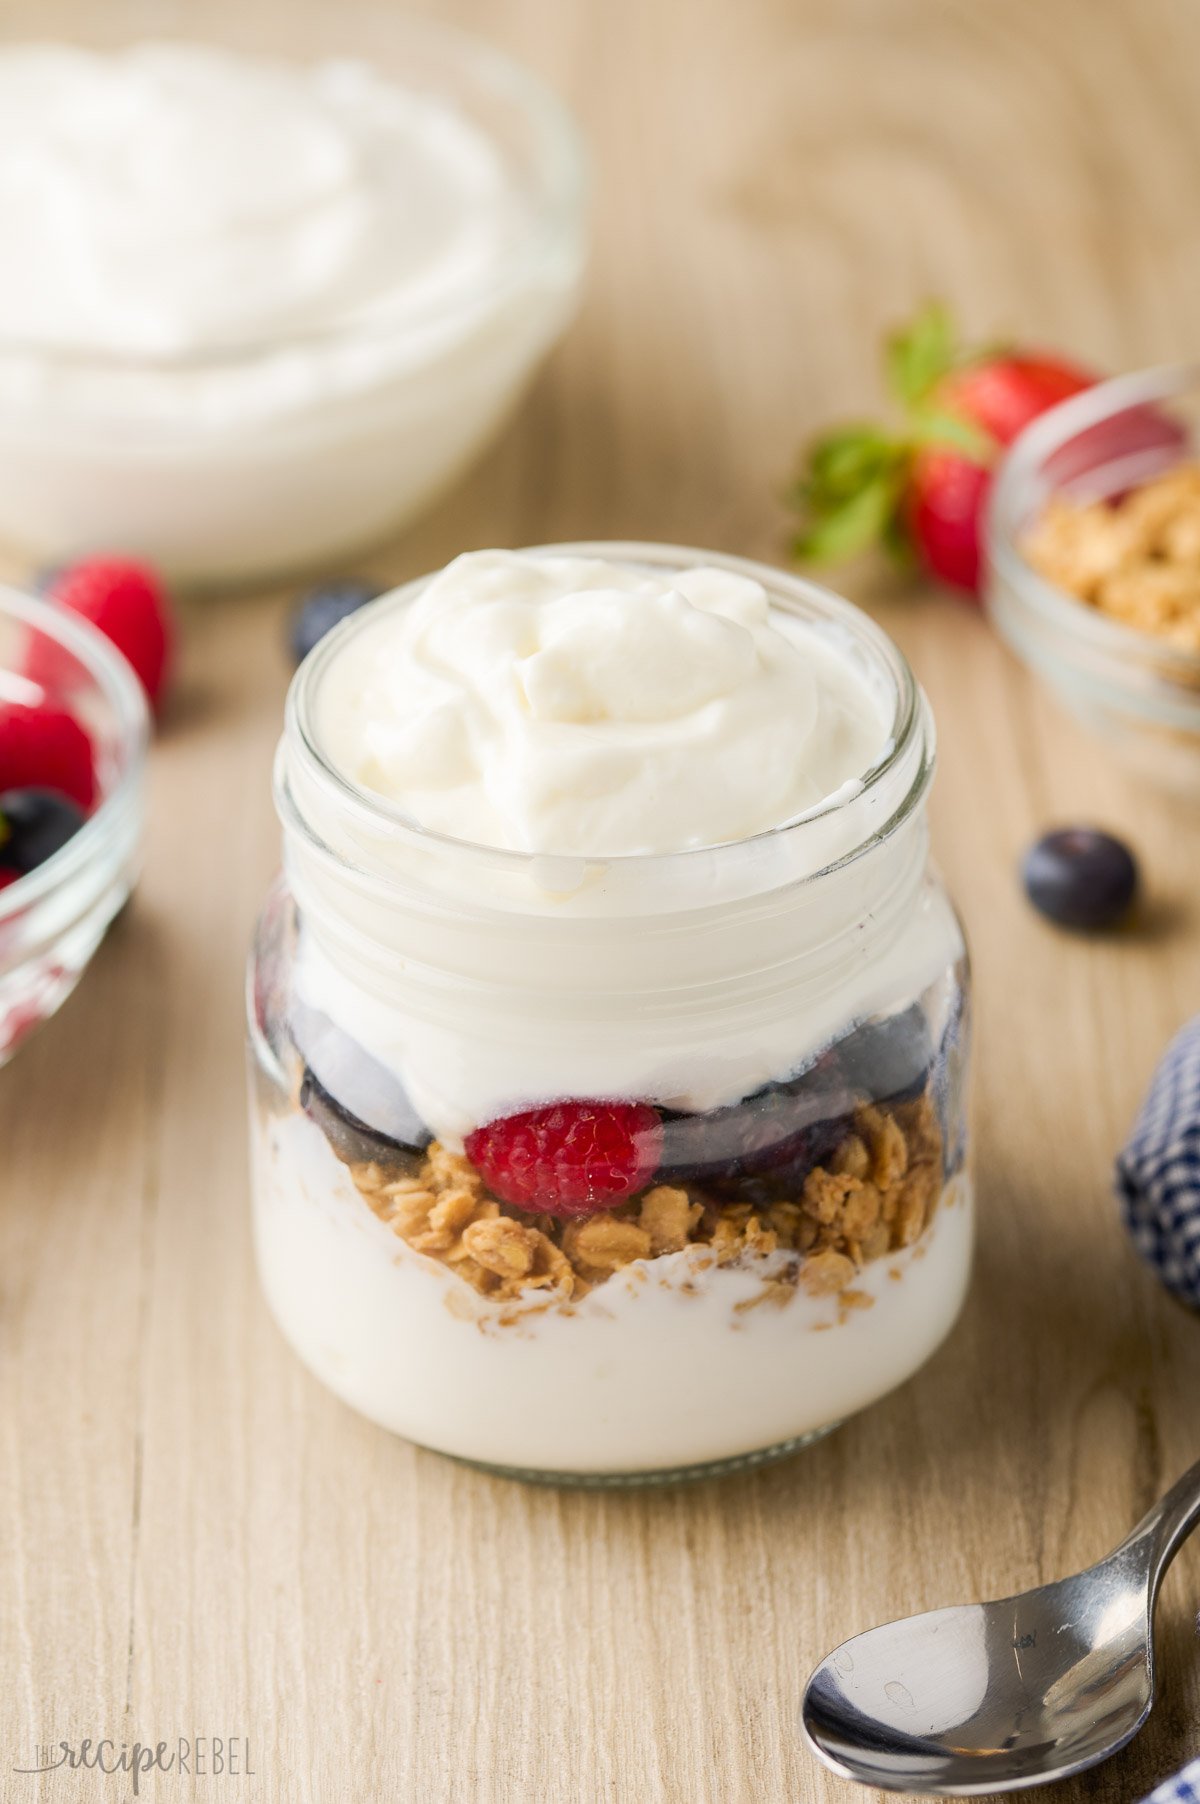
x,y
911,728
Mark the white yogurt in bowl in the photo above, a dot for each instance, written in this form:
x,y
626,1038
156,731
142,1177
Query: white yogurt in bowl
x,y
257,313
662,1069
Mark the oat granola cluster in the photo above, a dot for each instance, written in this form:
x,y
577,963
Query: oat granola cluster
x,y
1136,558
872,1197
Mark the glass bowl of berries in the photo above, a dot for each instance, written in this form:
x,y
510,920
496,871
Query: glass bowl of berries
x,y
73,732
1093,551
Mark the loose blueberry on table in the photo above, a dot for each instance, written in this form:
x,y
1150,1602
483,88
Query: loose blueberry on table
x,y
1080,877
319,610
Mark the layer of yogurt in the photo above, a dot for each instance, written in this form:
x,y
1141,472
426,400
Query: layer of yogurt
x,y
399,1338
581,709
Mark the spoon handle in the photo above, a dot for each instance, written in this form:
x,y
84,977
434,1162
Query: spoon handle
x,y
1167,1526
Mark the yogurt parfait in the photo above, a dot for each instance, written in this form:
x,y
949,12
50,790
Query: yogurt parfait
x,y
608,1025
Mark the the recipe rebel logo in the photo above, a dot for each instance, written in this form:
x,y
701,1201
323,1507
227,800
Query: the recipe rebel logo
x,y
186,1756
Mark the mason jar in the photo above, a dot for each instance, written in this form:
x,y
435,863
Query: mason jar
x,y
756,1053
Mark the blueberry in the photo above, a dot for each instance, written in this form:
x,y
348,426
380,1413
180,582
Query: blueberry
x,y
774,1137
888,1059
321,609
1080,877
352,1140
366,1092
34,825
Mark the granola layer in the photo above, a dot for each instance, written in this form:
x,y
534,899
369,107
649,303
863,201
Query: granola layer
x,y
874,1195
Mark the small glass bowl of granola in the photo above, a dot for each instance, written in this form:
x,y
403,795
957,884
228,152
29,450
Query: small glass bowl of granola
x,y
749,1059
1093,551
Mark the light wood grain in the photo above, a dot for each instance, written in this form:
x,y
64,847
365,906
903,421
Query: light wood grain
x,y
195,1538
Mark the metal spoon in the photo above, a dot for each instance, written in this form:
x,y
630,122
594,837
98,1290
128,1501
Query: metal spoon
x,y
993,1697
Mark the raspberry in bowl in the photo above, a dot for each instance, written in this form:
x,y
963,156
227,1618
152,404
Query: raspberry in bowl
x,y
608,1025
73,733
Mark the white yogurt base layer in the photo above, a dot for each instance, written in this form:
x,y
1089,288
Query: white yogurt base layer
x,y
638,1376
255,311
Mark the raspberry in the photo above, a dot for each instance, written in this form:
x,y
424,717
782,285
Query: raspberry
x,y
569,1158
128,603
46,748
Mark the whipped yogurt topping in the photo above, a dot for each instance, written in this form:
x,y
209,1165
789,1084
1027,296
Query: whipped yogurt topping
x,y
575,706
172,199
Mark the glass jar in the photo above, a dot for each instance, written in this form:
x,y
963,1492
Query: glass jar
x,y
763,1046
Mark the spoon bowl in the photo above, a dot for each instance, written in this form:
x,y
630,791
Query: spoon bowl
x,y
985,1698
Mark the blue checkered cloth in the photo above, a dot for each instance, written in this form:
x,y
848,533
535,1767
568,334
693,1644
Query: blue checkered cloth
x,y
1184,1788
1158,1183
1158,1174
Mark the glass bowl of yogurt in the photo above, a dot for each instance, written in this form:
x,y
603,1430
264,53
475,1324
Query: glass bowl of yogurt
x,y
53,918
608,1024
260,312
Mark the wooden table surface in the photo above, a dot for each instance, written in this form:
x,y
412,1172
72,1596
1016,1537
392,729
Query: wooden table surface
x,y
198,1540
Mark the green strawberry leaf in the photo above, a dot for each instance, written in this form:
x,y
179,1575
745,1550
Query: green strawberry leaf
x,y
843,460
839,530
919,355
896,538
955,433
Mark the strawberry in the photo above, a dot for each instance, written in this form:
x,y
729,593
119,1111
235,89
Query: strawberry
x,y
46,748
569,1158
923,490
129,604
